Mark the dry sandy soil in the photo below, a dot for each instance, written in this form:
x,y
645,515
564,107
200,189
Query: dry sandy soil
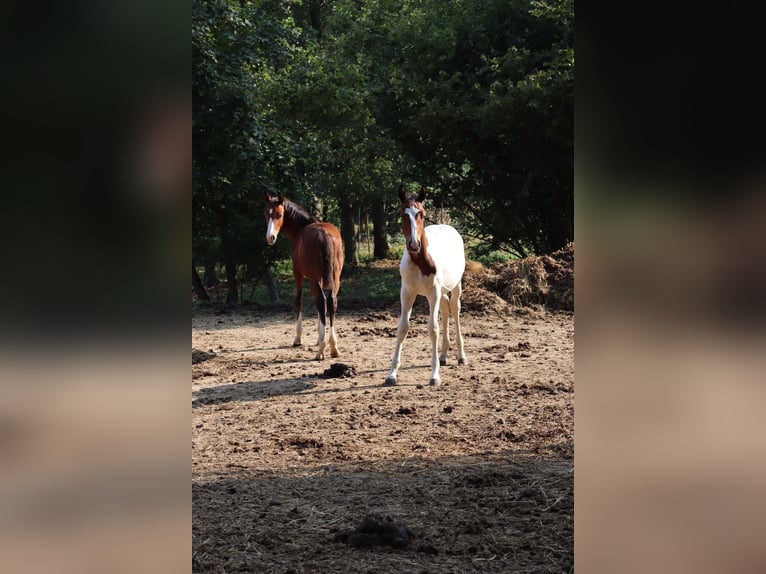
x,y
296,472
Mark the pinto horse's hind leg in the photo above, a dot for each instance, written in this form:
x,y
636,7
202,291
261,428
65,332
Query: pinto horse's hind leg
x,y
298,308
455,309
321,303
444,306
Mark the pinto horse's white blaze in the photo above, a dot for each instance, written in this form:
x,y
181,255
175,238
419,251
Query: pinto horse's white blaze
x,y
413,241
432,266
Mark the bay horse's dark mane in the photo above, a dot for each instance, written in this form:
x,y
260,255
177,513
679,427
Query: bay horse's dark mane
x,y
298,214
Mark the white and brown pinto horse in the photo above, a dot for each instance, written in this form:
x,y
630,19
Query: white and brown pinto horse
x,y
432,265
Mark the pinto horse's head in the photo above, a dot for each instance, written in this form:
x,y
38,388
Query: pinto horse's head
x,y
275,216
413,219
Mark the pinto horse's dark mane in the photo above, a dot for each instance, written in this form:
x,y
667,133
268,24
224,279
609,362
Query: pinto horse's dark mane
x,y
298,214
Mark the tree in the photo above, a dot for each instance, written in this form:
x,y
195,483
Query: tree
x,y
199,288
480,96
335,102
237,143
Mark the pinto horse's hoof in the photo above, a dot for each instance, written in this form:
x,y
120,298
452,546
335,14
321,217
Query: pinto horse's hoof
x,y
296,343
461,361
442,362
334,353
389,382
435,382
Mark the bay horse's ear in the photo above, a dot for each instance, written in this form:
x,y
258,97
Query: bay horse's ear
x,y
422,194
280,198
267,196
402,193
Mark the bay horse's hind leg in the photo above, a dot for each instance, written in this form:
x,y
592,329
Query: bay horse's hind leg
x,y
444,306
332,308
454,304
298,278
321,303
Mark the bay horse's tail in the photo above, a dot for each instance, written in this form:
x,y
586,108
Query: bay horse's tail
x,y
332,265
328,267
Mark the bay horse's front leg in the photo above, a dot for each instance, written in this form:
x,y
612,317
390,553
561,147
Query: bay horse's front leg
x,y
407,300
298,278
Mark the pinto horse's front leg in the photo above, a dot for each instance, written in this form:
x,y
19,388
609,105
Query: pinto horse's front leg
x,y
407,299
433,333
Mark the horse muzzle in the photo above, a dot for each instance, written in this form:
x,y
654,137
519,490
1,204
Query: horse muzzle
x,y
271,239
413,247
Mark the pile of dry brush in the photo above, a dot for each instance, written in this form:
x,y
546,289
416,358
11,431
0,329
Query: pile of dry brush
x,y
537,281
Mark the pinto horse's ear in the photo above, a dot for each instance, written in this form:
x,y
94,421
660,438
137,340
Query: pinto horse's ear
x,y
402,193
422,194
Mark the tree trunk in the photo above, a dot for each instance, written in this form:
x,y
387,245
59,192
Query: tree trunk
x,y
228,256
381,249
272,286
211,277
315,16
199,288
348,231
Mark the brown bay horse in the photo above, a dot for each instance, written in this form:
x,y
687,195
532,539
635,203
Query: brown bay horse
x,y
317,253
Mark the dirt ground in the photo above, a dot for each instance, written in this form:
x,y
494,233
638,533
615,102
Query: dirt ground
x,y
295,472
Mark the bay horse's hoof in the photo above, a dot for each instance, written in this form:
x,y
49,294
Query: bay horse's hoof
x,y
334,354
435,382
442,362
461,361
296,343
389,382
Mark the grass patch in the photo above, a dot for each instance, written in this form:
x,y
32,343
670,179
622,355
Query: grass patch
x,y
378,280
368,282
371,281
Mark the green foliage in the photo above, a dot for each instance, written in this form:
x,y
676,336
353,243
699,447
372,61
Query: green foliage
x,y
335,102
483,98
239,148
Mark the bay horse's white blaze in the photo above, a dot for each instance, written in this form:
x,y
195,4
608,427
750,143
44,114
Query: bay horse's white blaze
x,y
271,233
432,266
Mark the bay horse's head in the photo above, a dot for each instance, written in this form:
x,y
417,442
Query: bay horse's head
x,y
275,216
413,219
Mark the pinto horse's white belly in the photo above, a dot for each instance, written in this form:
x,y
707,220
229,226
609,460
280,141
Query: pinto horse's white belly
x,y
445,246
